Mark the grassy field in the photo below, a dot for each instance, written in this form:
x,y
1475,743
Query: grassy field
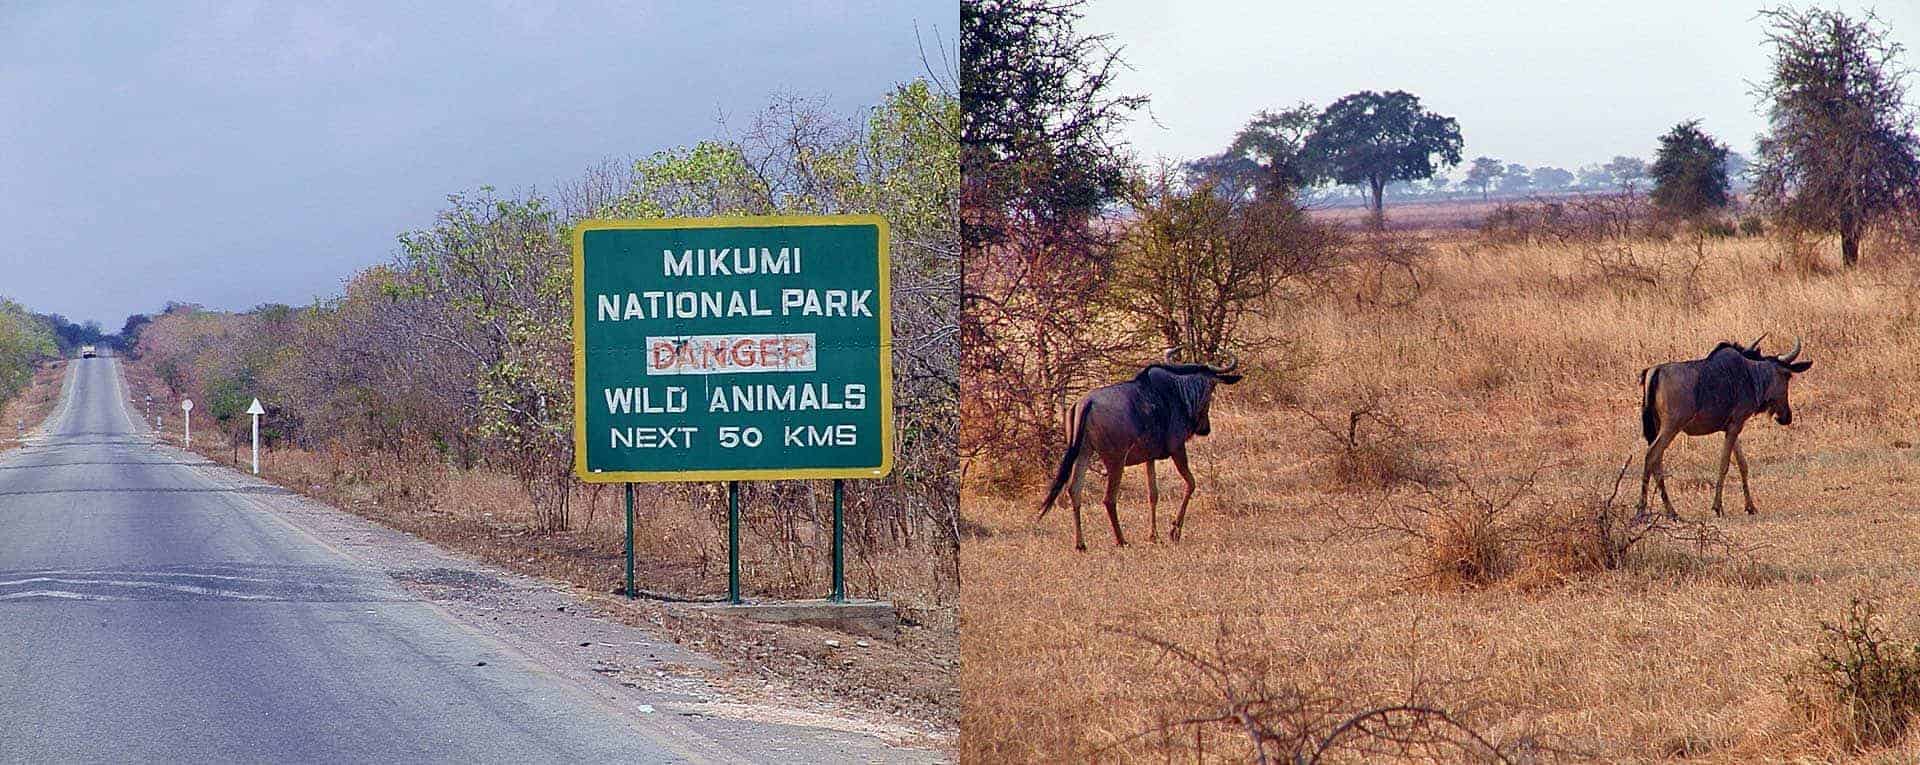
x,y
1511,362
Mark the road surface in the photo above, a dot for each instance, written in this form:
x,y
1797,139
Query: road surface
x,y
153,611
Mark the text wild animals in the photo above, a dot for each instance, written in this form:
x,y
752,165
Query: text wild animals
x,y
1716,394
1143,420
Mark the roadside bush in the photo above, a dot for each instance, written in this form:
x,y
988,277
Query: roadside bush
x,y
25,341
1861,686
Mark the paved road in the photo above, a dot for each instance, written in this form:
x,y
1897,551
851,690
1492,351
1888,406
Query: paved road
x,y
149,613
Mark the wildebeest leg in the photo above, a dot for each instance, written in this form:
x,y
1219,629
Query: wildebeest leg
x,y
1655,466
1113,497
1153,505
1073,495
1186,474
1726,455
1741,458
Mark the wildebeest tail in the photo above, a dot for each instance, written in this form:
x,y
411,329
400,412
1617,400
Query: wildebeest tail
x,y
1649,421
1075,434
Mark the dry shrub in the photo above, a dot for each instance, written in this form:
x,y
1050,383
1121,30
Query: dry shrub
x,y
1797,252
1257,703
1459,537
1861,687
1374,449
1634,265
1567,220
1390,271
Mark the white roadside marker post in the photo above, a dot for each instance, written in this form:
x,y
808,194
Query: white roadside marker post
x,y
256,410
186,409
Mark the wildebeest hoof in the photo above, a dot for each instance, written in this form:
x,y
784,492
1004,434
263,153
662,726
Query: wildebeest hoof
x,y
1081,546
1751,510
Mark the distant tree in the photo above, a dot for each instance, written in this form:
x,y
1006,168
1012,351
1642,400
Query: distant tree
x,y
1515,179
1551,178
1626,172
1689,172
1372,139
1595,177
1438,184
1483,173
1736,167
1267,156
1840,150
129,336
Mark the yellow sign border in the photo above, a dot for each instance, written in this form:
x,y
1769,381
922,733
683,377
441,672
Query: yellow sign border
x,y
771,474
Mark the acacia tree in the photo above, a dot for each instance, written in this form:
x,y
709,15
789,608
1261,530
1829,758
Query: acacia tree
x,y
1840,150
1626,172
1268,155
1689,172
1548,178
1372,139
1484,172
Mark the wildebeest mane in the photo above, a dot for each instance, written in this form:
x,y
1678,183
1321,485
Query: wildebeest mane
x,y
1741,349
1178,369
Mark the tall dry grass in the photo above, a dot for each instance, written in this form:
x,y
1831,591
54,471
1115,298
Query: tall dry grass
x,y
1511,362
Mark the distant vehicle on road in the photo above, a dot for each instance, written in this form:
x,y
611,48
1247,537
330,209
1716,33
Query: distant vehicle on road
x,y
88,352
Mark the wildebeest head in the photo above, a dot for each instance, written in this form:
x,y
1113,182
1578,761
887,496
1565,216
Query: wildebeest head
x,y
1192,385
1783,369
1773,375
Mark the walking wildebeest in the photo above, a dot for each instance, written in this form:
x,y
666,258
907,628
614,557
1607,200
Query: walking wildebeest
x,y
1711,395
1145,419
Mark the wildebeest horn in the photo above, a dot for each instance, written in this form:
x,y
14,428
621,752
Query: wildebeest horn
x,y
1233,361
1793,354
1755,347
1171,351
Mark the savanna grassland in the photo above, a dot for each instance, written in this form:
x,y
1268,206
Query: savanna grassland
x,y
1503,388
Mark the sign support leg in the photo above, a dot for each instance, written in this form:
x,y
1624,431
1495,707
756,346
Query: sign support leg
x,y
733,542
630,593
839,594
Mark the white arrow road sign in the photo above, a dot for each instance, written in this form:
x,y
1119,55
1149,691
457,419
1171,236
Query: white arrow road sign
x,y
256,410
186,409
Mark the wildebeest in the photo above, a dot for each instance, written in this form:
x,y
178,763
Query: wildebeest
x,y
1710,395
1145,419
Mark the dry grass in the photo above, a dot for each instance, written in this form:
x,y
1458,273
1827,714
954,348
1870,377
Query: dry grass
x,y
1676,652
26,411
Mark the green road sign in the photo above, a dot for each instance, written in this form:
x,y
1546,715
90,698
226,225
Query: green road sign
x,y
732,349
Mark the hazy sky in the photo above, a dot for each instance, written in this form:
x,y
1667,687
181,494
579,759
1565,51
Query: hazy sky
x,y
1537,82
236,153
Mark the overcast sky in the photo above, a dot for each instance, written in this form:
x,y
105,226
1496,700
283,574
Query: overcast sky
x,y
1540,82
237,153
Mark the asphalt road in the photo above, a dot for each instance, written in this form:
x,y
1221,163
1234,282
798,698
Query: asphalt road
x,y
151,614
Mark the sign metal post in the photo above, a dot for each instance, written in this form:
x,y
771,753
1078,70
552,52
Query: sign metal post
x,y
630,593
839,593
733,542
186,409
